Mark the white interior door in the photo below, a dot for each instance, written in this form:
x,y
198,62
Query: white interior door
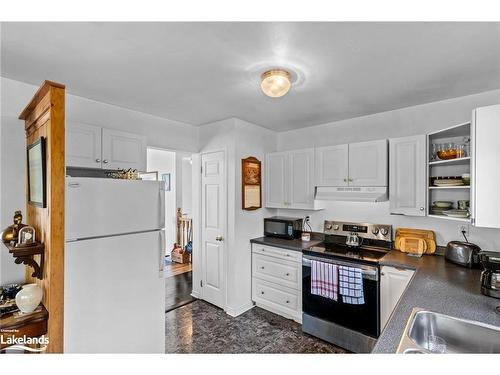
x,y
213,226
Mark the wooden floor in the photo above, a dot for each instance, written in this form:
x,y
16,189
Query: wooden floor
x,y
174,269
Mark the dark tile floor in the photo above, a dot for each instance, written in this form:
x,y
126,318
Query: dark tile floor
x,y
203,328
178,290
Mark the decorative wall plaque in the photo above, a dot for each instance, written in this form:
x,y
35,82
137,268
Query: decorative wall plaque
x,y
251,184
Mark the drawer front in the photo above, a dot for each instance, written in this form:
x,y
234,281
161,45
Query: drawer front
x,y
291,255
276,270
279,298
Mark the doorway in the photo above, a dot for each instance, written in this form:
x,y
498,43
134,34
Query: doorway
x,y
175,169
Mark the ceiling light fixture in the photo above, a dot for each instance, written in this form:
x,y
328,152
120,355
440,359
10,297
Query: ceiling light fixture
x,y
275,83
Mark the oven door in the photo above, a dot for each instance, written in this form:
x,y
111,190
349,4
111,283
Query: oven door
x,y
361,318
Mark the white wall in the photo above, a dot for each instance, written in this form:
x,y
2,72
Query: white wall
x,y
420,119
239,139
163,161
160,132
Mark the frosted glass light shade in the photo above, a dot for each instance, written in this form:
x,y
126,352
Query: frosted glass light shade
x,y
275,83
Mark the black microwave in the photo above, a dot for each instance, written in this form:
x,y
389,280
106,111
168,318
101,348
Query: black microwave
x,y
283,227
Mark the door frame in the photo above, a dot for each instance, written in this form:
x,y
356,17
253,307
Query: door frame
x,y
197,290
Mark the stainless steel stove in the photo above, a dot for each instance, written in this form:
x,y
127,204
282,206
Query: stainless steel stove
x,y
357,245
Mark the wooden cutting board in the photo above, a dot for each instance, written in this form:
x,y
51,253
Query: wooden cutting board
x,y
428,236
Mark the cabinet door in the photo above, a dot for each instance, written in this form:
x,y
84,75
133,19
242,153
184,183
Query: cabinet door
x,y
393,282
368,163
123,150
301,179
485,167
276,180
83,145
332,165
407,166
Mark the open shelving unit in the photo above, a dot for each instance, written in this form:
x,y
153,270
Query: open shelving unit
x,y
452,167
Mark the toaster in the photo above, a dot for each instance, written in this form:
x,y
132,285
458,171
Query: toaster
x,y
464,254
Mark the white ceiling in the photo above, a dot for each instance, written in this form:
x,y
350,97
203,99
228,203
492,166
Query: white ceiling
x,y
202,72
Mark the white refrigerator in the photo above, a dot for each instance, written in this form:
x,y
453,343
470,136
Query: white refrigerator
x,y
114,290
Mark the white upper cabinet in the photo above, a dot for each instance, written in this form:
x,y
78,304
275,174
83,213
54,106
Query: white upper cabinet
x,y
83,145
276,179
90,146
123,150
290,179
332,165
407,166
301,185
485,179
368,163
355,164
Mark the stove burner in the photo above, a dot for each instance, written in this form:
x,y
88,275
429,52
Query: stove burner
x,y
371,255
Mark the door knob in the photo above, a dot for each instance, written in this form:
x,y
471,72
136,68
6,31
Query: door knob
x,y
219,238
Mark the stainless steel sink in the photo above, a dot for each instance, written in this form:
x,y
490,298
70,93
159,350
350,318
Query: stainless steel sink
x,y
430,332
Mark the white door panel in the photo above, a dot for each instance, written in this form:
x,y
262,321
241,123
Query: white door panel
x,y
332,165
485,167
301,184
407,169
123,150
83,145
368,163
100,206
213,222
114,299
276,180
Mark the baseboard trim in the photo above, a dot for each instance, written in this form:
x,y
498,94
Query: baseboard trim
x,y
240,310
195,294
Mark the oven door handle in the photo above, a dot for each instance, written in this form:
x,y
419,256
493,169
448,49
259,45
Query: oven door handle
x,y
368,272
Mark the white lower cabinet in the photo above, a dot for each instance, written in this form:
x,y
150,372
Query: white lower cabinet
x,y
277,280
393,282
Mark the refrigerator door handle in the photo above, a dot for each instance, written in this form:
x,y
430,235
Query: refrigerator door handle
x,y
162,249
162,205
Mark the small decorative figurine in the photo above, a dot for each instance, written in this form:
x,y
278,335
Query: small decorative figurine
x,y
10,234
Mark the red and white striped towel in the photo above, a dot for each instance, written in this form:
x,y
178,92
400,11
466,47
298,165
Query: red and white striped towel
x,y
324,279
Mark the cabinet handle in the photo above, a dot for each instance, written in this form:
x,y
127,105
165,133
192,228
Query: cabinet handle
x,y
287,301
262,267
351,179
263,249
287,255
262,292
97,160
345,179
382,274
421,208
105,161
287,274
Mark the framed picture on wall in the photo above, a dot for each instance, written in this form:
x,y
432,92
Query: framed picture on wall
x,y
37,173
166,177
251,184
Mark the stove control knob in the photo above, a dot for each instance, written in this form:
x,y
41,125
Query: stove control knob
x,y
384,231
336,227
375,231
328,226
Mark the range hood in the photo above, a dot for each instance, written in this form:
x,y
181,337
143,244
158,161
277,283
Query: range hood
x,y
351,194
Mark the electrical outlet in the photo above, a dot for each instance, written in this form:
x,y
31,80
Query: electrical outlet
x,y
308,219
463,229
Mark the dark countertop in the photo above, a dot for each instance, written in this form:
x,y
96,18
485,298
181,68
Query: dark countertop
x,y
297,245
438,286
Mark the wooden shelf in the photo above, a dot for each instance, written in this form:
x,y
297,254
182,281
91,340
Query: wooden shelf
x,y
465,160
26,255
449,187
467,220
